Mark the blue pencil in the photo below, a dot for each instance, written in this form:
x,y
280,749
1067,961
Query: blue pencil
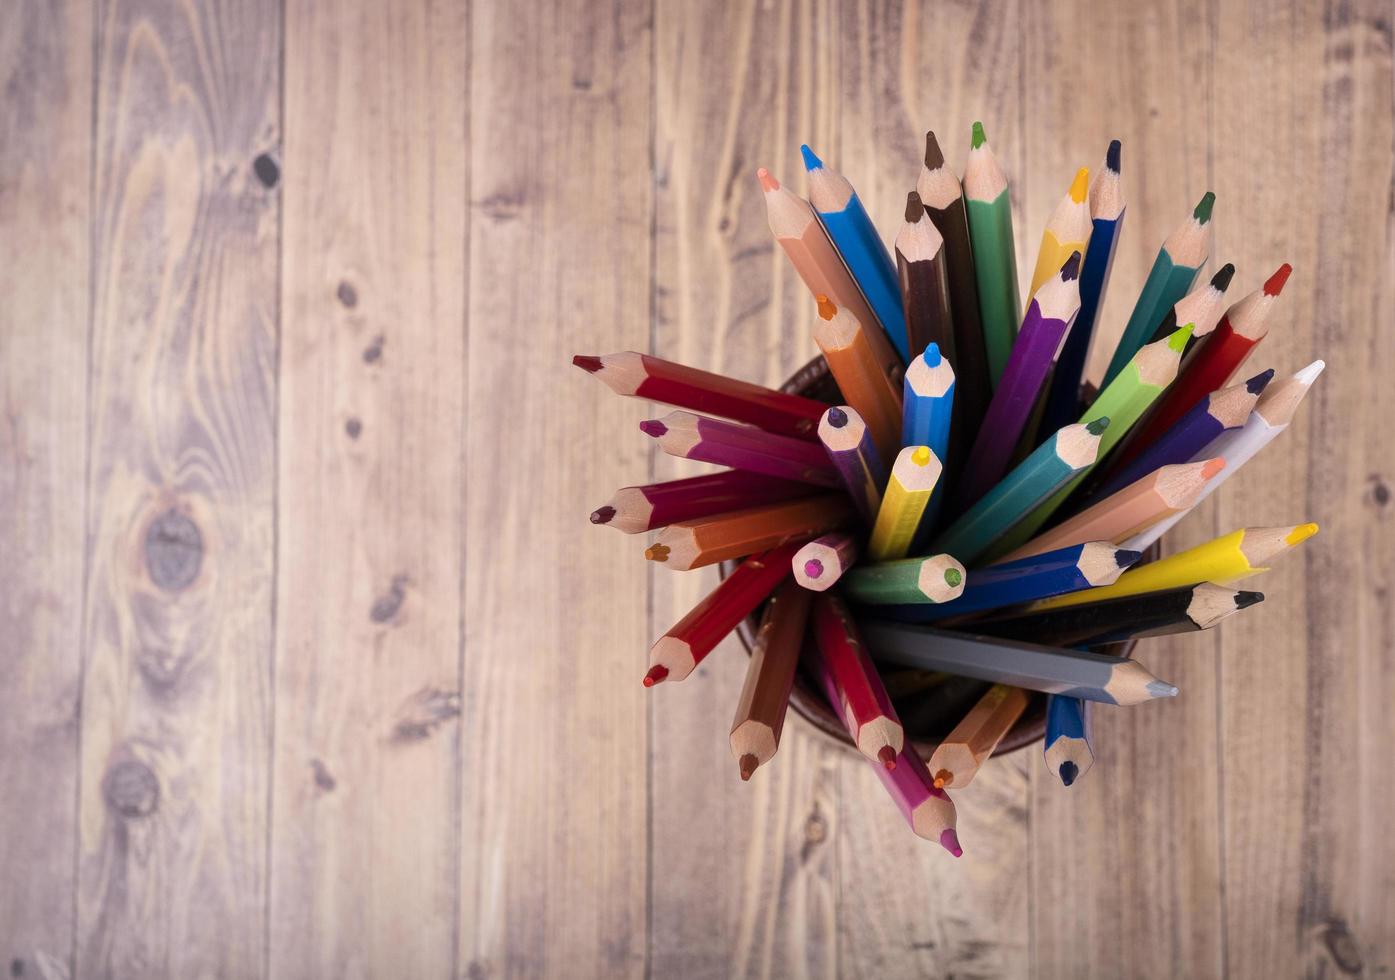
x,y
1107,217
1070,569
927,409
862,249
1068,752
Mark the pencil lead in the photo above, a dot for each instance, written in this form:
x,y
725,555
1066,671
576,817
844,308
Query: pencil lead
x,y
1256,384
656,552
1301,533
978,138
827,308
1068,771
1097,426
656,675
1211,467
934,159
942,777
1177,340
888,756
1111,156
813,568
1071,270
811,160
1275,284
932,355
767,180
837,417
653,427
920,455
1310,373
949,840
1244,600
1221,280
748,766
603,515
1203,208
953,577
589,363
1124,558
914,207
1161,689
1080,185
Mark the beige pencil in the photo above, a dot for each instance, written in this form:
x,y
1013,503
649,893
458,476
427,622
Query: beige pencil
x,y
978,733
760,711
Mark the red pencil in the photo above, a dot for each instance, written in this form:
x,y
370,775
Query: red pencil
x,y
862,699
643,376
635,509
674,655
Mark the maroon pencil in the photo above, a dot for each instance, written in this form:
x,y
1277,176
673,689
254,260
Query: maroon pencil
x,y
643,376
742,447
643,508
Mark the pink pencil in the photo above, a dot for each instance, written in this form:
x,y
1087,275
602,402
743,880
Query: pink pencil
x,y
742,447
928,810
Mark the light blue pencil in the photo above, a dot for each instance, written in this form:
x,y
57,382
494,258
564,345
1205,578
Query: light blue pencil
x,y
927,409
1068,752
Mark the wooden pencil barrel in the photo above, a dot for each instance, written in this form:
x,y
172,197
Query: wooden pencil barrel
x,y
814,381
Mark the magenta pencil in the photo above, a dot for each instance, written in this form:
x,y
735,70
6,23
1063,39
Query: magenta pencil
x,y
848,442
643,508
741,447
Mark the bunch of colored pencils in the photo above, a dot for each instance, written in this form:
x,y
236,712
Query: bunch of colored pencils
x,y
966,528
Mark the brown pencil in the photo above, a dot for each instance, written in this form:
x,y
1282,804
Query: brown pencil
x,y
957,758
692,544
760,711
921,268
864,384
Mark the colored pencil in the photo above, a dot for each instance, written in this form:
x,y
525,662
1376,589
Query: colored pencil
x,y
1271,416
1216,360
1067,231
924,277
957,758
1064,571
856,239
928,392
850,448
1201,307
674,655
765,695
995,257
939,578
741,447
1078,673
1174,270
1036,478
913,478
943,199
1067,745
643,508
1049,317
1222,560
855,687
1106,221
693,544
863,383
643,376
1166,491
820,563
1180,610
929,811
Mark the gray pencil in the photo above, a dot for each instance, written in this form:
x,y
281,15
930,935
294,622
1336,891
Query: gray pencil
x,y
1075,673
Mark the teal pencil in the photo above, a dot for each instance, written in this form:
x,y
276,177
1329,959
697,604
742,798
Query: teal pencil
x,y
1050,467
927,409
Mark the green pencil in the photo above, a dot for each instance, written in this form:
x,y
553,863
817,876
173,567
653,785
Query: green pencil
x,y
939,578
995,257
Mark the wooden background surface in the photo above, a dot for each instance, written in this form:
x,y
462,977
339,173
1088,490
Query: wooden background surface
x,y
311,665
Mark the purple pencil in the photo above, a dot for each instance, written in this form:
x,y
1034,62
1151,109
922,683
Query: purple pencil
x,y
850,448
1044,330
1219,411
742,447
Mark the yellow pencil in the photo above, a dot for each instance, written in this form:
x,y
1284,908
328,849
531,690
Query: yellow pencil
x,y
1068,231
913,479
1223,560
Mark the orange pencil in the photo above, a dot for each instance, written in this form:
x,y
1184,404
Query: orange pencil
x,y
692,544
864,383
957,758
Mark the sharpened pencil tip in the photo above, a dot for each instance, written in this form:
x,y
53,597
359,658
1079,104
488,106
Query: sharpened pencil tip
x,y
1124,558
1203,207
1256,384
888,756
1310,373
1068,771
942,777
1097,426
934,159
1071,270
1161,689
1178,338
932,355
1301,533
1080,186
836,417
811,160
1244,600
603,515
656,675
748,766
1221,280
949,840
587,362
920,456
656,552
653,427
1111,156
1274,285
978,137
914,209
813,568
1211,467
827,308
767,180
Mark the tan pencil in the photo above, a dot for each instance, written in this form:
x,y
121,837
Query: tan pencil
x,y
692,544
978,733
760,711
864,383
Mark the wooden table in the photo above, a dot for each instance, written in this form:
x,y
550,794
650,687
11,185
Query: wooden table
x,y
311,665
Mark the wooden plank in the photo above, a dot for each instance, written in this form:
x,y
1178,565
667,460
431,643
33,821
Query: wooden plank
x,y
1126,863
176,715
555,749
1307,685
45,157
366,805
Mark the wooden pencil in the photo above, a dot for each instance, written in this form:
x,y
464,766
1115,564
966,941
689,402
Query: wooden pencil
x,y
1067,745
860,468
1063,404
989,210
913,478
1047,469
674,655
924,277
1067,231
644,376
929,811
1202,307
1271,416
862,249
943,199
820,563
643,508
1222,560
938,578
707,540
742,447
1052,670
928,392
765,695
956,759
1174,270
857,693
1181,610
1049,317
863,383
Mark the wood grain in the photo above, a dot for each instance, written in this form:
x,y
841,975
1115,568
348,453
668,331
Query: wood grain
x,y
366,806
176,711
45,166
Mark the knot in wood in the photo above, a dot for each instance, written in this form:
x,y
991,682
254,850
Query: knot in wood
x,y
173,551
131,789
